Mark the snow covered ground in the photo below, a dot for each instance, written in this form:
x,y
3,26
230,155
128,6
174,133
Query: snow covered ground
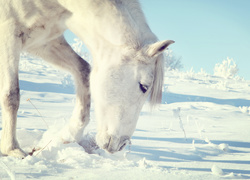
x,y
200,131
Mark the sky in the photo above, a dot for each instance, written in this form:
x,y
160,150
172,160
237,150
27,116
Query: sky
x,y
205,32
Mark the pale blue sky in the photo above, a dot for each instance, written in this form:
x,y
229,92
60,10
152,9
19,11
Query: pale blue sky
x,y
206,32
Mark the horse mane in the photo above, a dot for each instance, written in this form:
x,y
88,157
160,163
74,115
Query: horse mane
x,y
134,8
156,92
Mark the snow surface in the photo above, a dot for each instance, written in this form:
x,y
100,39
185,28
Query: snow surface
x,y
200,131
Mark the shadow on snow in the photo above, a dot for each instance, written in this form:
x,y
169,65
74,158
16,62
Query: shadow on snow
x,y
174,98
151,153
45,87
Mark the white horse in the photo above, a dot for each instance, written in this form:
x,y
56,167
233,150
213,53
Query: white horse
x,y
127,68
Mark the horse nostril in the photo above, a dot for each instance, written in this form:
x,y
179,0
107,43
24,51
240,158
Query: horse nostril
x,y
108,145
121,148
127,141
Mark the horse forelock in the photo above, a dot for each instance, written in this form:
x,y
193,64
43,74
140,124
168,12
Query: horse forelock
x,y
156,92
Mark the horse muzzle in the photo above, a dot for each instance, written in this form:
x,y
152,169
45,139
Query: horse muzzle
x,y
116,144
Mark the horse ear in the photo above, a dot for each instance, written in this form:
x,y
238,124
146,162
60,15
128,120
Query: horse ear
x,y
157,48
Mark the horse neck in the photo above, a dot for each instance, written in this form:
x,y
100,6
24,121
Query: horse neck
x,y
103,24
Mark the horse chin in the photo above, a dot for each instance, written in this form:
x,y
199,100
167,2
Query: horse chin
x,y
113,143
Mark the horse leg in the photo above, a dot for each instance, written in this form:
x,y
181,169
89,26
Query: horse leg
x,y
9,92
59,53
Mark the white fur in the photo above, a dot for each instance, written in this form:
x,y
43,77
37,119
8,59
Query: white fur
x,y
123,47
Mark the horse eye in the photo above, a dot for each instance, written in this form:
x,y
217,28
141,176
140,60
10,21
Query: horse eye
x,y
143,88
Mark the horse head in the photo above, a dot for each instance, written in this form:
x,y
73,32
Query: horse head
x,y
120,85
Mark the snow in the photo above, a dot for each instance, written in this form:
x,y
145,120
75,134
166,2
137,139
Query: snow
x,y
200,131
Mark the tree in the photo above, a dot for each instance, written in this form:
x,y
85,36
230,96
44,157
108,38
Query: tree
x,y
172,62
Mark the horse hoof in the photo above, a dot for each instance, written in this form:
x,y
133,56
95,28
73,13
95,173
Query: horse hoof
x,y
18,153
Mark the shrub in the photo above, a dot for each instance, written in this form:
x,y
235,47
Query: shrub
x,y
226,69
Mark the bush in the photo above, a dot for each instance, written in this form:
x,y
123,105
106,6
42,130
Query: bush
x,y
226,69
